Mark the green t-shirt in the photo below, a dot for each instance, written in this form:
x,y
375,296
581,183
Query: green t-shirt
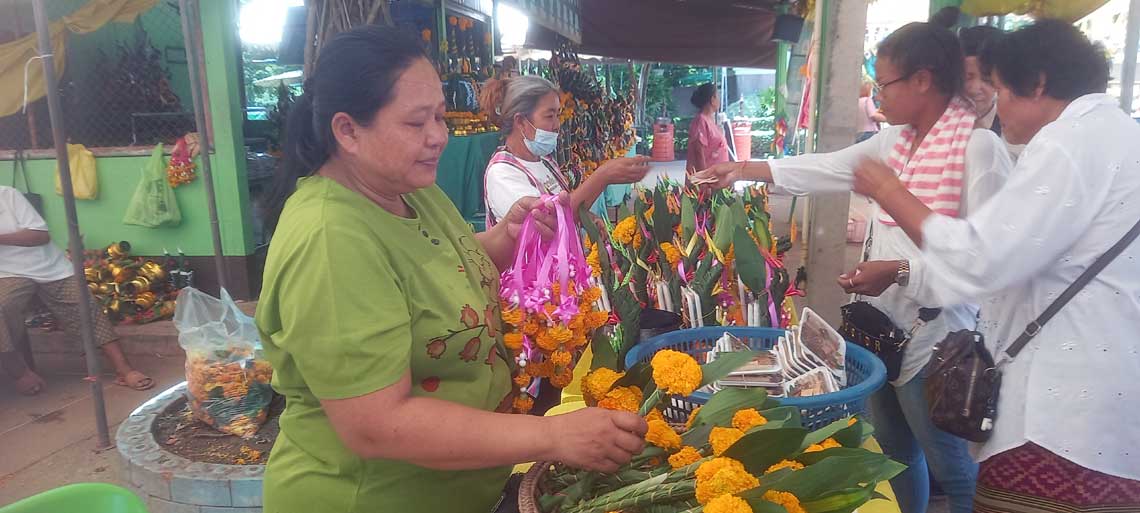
x,y
353,297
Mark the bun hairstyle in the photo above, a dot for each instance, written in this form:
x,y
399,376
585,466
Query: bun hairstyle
x,y
355,74
703,95
946,17
519,95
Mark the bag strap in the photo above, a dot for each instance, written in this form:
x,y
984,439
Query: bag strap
x,y
19,166
1097,266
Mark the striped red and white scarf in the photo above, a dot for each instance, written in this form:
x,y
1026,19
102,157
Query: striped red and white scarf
x,y
937,171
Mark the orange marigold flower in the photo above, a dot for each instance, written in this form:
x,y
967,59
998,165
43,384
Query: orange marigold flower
x,y
561,358
546,341
560,334
562,378
685,457
513,316
794,465
728,504
622,399
722,438
789,501
722,476
672,254
663,436
655,415
522,380
591,295
531,327
747,419
513,341
598,382
675,372
624,231
638,240
523,403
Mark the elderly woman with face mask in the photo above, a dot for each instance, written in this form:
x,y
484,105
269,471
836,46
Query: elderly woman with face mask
x,y
529,116
1063,438
933,145
379,310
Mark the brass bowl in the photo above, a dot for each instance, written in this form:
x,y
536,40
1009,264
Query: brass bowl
x,y
153,271
121,274
118,250
146,300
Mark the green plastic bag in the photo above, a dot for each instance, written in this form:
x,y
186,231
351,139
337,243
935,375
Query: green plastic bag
x,y
154,203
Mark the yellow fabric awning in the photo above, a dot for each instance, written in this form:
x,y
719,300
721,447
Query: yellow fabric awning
x,y
1068,10
15,54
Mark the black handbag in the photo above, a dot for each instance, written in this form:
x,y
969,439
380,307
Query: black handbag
x,y
19,167
874,331
964,380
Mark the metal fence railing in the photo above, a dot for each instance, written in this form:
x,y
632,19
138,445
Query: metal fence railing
x,y
124,85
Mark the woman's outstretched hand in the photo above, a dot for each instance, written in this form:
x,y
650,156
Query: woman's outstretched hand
x,y
719,176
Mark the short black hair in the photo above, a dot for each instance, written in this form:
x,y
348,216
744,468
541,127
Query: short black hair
x,y
946,17
1070,64
926,46
703,95
973,39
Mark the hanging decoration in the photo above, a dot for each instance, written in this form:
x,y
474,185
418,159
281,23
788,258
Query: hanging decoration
x,y
180,170
131,290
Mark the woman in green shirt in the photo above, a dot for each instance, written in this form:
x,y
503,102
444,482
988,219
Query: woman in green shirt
x,y
379,309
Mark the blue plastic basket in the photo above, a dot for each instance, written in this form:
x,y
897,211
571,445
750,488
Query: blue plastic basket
x,y
865,373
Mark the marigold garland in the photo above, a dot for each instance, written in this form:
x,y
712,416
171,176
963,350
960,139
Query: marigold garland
x,y
663,436
675,372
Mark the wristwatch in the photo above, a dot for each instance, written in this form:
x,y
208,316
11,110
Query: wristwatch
x,y
902,277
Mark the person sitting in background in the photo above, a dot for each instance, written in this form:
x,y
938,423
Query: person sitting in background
x,y
32,267
1064,436
869,115
707,144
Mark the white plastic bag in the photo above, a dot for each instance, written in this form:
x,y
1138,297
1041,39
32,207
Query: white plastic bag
x,y
227,382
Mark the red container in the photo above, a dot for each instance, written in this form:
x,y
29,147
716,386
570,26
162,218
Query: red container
x,y
662,142
742,138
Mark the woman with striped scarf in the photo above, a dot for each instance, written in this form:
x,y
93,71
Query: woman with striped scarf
x,y
935,151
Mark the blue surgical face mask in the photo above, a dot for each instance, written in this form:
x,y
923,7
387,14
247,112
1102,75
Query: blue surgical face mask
x,y
544,141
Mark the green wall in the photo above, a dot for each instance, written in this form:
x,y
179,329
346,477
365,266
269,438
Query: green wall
x,y
100,220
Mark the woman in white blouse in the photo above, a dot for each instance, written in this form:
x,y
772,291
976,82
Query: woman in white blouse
x,y
530,119
1066,436
920,73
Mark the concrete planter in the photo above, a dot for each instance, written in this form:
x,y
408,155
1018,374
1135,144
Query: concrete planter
x,y
172,484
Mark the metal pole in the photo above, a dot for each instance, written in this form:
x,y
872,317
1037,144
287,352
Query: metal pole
x,y
191,22
1128,71
75,241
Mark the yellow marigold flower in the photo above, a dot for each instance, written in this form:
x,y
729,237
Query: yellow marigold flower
x,y
675,372
561,358
830,442
638,240
625,230
577,322
597,382
787,500
794,465
747,419
513,341
722,438
622,399
692,417
655,414
728,504
540,369
596,320
722,476
594,260
672,254
522,380
591,295
685,457
513,316
663,436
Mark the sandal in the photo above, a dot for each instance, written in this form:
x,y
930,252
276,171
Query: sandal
x,y
135,380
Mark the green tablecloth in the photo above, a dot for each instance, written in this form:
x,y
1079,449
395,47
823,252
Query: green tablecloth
x,y
461,169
